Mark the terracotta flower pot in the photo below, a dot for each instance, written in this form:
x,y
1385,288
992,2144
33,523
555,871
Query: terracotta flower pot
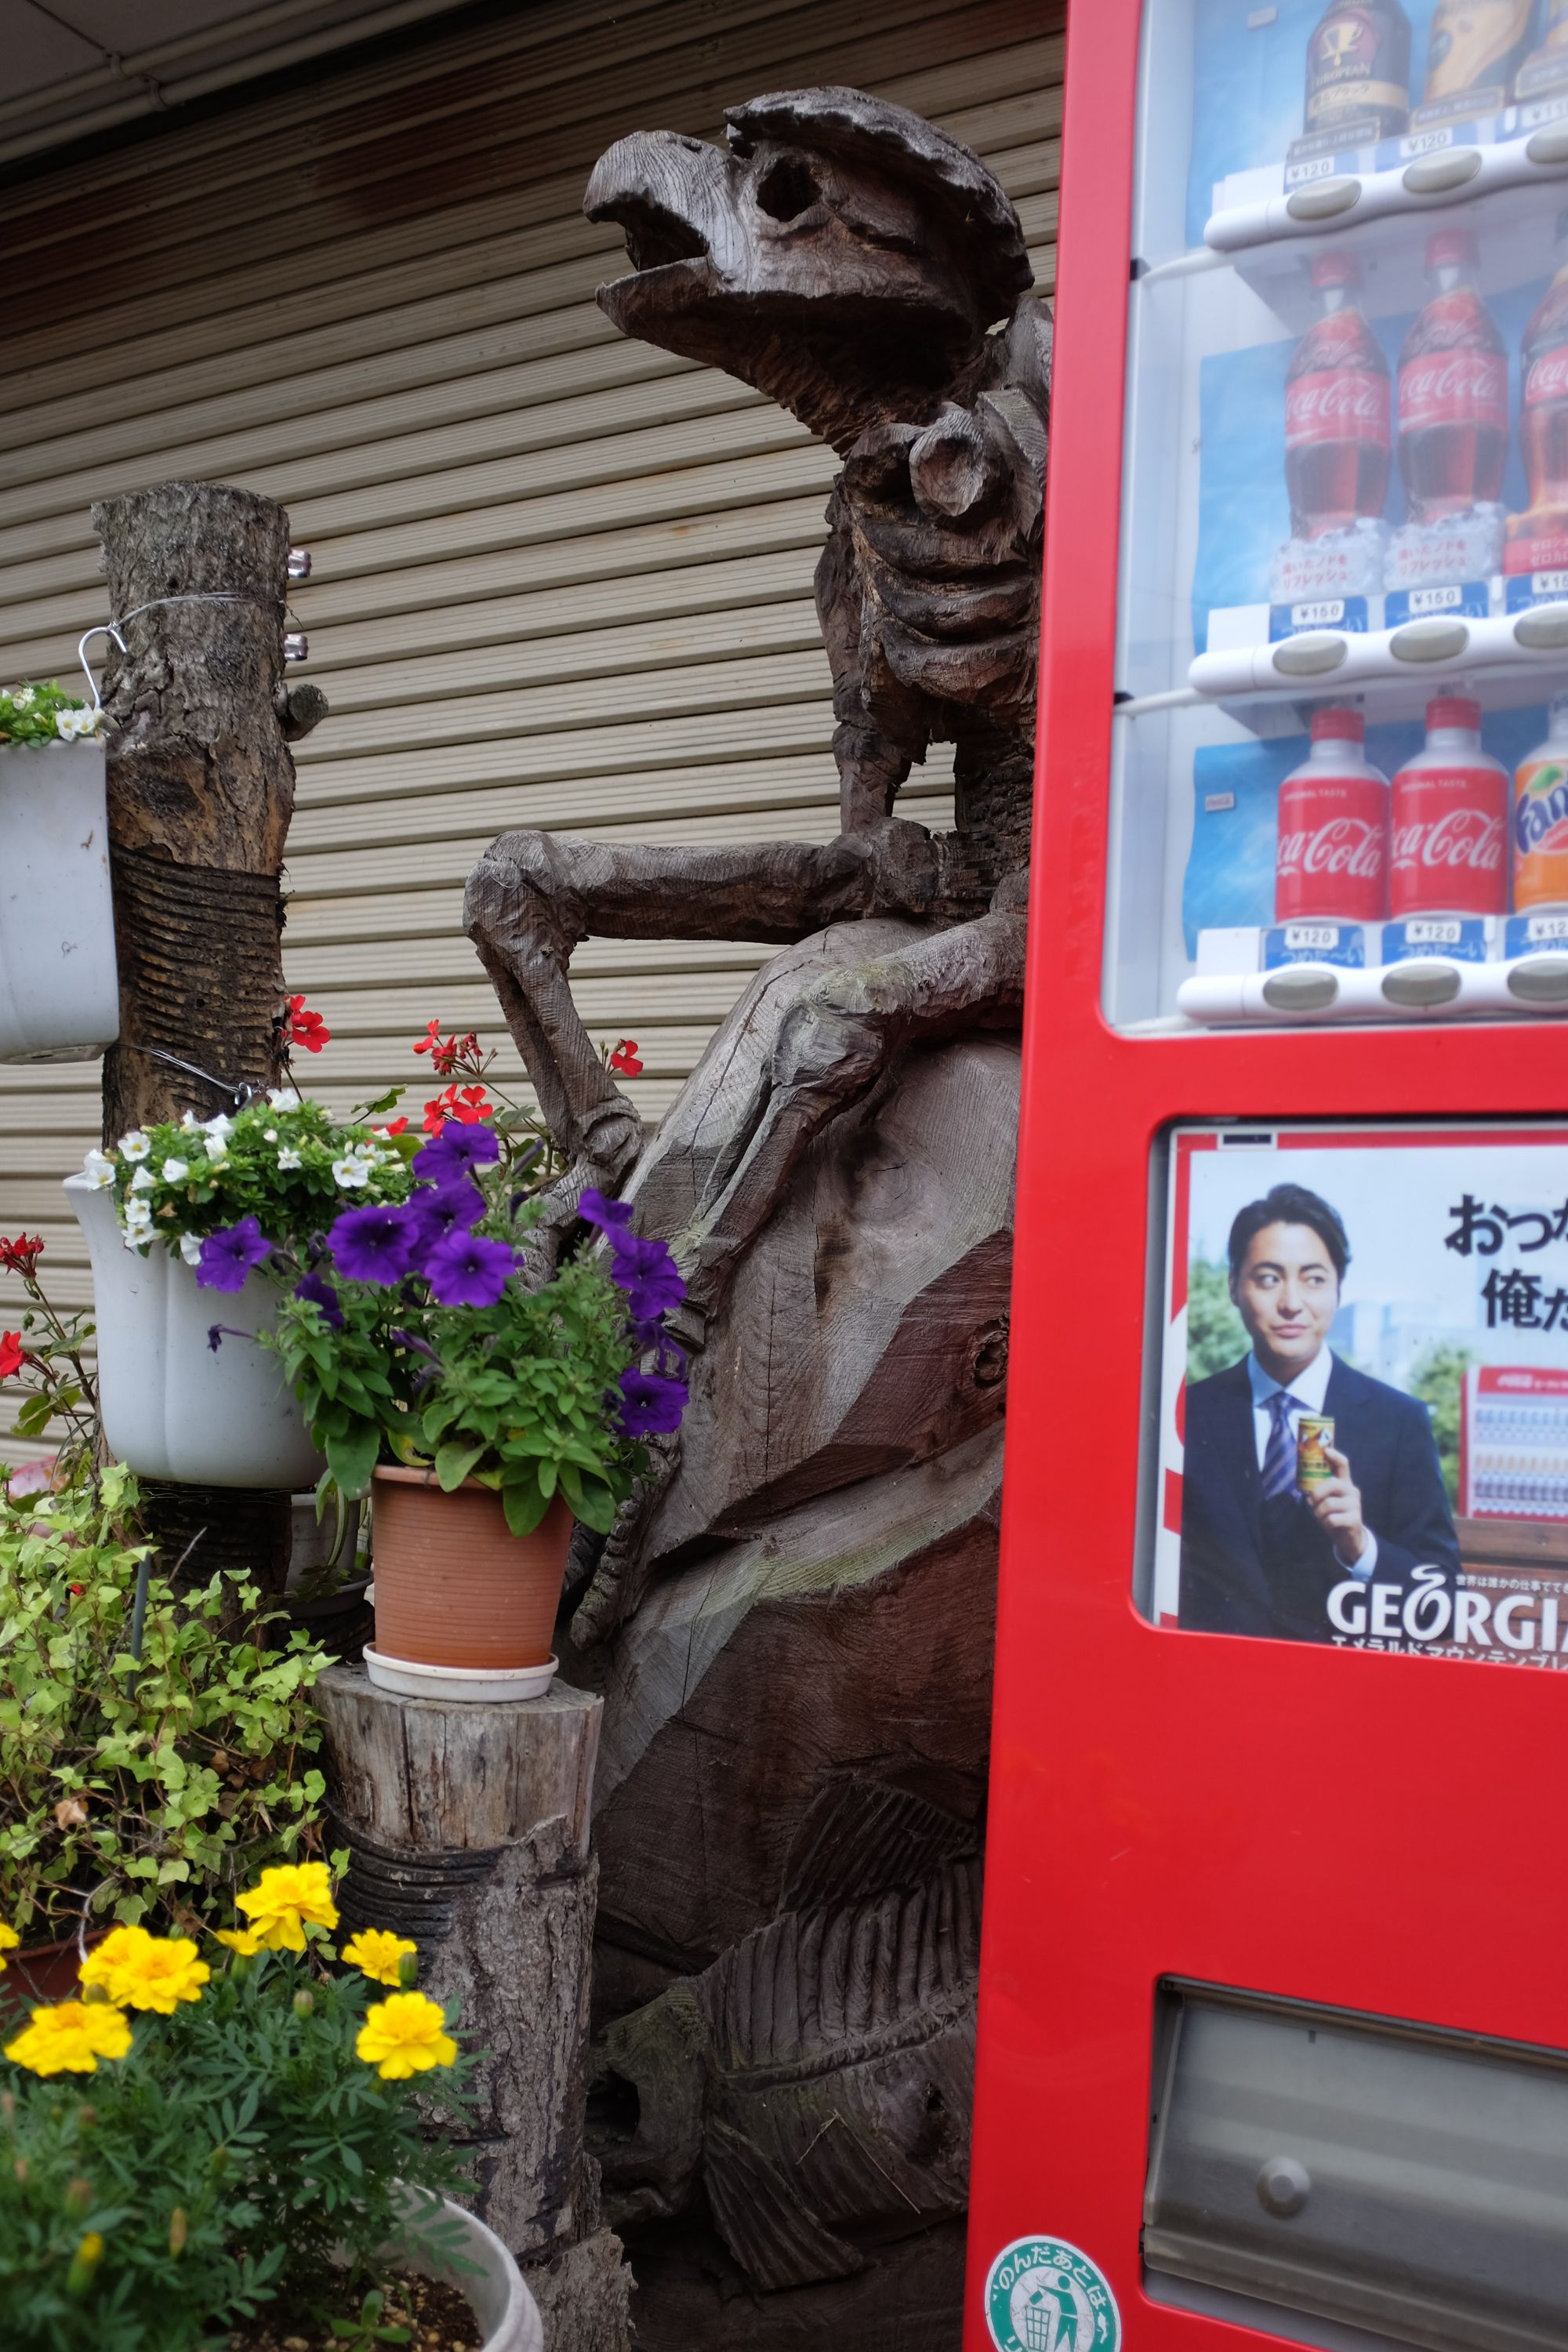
x,y
38,1974
454,1587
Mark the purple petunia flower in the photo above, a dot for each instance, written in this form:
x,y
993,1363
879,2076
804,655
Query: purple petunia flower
x,y
321,1294
651,1406
466,1270
594,1210
227,1257
459,1147
647,1273
442,1209
375,1244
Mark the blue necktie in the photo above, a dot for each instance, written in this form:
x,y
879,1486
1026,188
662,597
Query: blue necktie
x,y
1279,1457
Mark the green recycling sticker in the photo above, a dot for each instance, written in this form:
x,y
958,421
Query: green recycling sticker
x,y
1044,2295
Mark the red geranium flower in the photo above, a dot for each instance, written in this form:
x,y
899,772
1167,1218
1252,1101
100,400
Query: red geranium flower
x,y
307,1028
427,1043
624,1058
21,1256
392,1127
13,1355
468,1104
449,1054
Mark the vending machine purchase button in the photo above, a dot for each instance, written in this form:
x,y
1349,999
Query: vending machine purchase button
x,y
1423,984
1546,627
1310,657
1435,173
1540,979
1324,200
1430,641
1303,988
1549,146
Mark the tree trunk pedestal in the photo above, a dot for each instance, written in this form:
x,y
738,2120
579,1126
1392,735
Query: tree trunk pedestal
x,y
467,1829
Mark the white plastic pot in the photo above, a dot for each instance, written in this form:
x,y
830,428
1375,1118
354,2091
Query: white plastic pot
x,y
173,1406
502,2304
59,988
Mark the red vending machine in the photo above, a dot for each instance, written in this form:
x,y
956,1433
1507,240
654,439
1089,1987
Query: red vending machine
x,y
1274,2010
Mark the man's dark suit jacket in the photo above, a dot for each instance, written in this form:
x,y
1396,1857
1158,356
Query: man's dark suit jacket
x,y
1251,1567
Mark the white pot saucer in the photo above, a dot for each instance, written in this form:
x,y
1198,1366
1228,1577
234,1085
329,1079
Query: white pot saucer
x,y
409,1679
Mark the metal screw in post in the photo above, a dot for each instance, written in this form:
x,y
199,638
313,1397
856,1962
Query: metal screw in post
x,y
1284,2185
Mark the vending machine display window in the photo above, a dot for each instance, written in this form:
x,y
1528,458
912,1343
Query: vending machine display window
x,y
1340,768
1363,1388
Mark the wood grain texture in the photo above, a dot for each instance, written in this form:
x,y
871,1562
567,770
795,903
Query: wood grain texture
x,y
467,1827
791,1617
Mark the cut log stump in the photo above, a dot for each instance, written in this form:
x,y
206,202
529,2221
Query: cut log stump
x,y
468,1828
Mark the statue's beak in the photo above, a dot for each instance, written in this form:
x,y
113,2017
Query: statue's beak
x,y
673,197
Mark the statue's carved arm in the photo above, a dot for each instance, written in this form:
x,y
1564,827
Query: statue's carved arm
x,y
534,897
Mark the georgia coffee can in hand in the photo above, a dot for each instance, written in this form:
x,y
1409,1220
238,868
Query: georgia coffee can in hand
x,y
1314,1435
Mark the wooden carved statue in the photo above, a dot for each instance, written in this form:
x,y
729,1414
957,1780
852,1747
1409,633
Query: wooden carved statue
x,y
792,1622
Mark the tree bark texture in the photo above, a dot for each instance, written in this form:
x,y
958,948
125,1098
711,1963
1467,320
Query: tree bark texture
x,y
200,790
467,1829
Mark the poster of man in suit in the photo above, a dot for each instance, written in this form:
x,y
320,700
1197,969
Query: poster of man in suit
x,y
1329,1295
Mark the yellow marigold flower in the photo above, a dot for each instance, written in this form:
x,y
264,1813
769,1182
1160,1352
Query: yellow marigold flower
x,y
71,2039
165,1971
406,2034
104,1962
287,1899
9,1939
243,1940
377,1953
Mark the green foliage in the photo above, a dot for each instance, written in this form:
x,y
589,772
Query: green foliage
x,y
44,714
1437,1378
140,1792
1216,1336
283,1162
519,1395
242,2156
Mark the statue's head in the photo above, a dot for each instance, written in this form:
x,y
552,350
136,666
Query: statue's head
x,y
844,255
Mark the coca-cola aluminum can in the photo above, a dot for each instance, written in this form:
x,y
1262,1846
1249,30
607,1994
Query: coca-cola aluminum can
x,y
1330,865
1451,818
1331,845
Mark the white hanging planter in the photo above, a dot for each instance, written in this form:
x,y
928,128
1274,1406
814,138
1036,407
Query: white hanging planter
x,y
59,988
173,1407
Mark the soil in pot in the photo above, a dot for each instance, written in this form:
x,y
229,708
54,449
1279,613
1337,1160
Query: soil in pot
x,y
454,1587
439,2318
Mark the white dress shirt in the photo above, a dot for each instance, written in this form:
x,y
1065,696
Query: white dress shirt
x,y
1306,1390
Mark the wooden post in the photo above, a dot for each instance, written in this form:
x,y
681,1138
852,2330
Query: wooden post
x,y
200,790
467,1829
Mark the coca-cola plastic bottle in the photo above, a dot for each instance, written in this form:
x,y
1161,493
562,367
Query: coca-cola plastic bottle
x,y
1331,867
1537,539
1453,389
1450,810
1337,425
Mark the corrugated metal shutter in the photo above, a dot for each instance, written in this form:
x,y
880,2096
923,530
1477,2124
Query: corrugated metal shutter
x,y
559,579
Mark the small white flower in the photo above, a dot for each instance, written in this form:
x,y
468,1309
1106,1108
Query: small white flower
x,y
190,1122
222,1127
23,698
351,1173
69,724
143,1180
175,1171
135,1146
269,1135
98,1167
217,1151
283,1097
137,1219
366,1152
190,1249
287,1159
